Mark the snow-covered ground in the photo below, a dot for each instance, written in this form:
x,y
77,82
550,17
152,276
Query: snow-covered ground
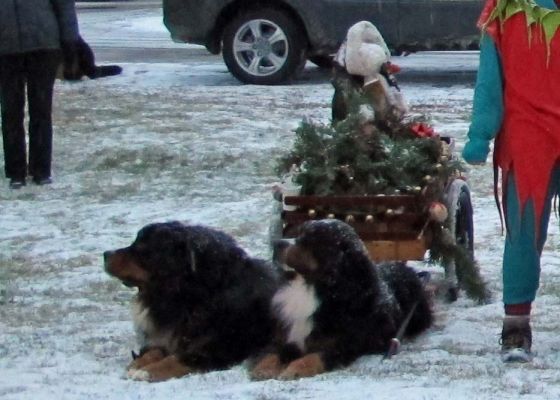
x,y
188,142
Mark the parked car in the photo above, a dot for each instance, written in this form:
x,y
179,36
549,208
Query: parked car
x,y
268,41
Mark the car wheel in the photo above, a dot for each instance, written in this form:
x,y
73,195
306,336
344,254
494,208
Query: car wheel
x,y
264,47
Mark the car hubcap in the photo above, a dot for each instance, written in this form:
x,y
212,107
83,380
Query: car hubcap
x,y
260,47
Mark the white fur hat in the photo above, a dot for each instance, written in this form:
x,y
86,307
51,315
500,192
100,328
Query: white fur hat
x,y
366,49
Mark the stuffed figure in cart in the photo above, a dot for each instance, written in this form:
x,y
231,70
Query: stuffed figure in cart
x,y
362,64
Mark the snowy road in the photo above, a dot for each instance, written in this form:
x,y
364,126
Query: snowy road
x,y
186,141
138,35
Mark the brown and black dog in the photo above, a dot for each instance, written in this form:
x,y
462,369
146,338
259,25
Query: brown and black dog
x,y
202,304
335,305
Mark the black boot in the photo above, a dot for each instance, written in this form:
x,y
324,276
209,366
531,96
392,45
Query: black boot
x,y
516,339
17,183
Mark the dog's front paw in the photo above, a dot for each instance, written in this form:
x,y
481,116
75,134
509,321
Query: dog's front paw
x,y
306,366
168,368
269,367
148,357
138,375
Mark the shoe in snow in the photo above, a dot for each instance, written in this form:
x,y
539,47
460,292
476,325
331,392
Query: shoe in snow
x,y
516,339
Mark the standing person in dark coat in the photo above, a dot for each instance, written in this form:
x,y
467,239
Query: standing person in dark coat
x,y
32,34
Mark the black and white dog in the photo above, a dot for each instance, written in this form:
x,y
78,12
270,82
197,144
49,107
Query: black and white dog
x,y
335,305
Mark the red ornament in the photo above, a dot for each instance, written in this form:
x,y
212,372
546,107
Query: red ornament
x,y
422,130
393,68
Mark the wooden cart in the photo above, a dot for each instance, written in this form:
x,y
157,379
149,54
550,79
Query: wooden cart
x,y
392,227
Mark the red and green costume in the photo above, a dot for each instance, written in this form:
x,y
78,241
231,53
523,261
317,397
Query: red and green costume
x,y
517,102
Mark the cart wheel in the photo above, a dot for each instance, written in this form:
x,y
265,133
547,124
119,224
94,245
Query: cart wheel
x,y
464,231
275,225
460,224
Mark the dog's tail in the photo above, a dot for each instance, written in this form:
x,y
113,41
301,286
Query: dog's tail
x,y
105,70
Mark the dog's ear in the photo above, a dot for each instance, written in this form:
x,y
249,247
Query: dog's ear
x,y
301,259
279,248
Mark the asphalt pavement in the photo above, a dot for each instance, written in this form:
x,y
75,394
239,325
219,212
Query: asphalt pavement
x,y
154,55
125,4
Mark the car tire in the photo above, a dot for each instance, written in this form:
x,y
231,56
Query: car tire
x,y
264,47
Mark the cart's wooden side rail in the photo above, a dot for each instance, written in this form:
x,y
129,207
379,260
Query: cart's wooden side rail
x,y
396,221
353,201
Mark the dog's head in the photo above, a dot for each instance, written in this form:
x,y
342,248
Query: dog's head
x,y
323,250
169,255
136,264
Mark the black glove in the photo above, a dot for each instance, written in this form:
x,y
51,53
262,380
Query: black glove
x,y
70,61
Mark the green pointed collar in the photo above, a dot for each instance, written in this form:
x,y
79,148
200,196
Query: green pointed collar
x,y
548,18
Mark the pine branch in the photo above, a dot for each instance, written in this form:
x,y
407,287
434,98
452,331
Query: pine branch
x,y
444,251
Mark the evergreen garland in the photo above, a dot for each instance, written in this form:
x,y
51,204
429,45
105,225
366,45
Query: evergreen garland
x,y
353,157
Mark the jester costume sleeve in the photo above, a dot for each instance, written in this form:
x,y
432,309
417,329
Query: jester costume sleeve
x,y
517,102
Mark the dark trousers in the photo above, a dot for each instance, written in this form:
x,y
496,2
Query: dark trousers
x,y
35,71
